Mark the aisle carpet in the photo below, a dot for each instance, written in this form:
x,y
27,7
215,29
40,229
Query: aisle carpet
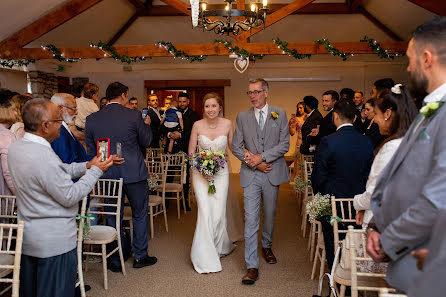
x,y
174,275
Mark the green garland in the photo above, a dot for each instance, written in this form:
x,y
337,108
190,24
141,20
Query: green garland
x,y
241,52
109,50
283,45
176,53
376,47
12,63
57,55
332,50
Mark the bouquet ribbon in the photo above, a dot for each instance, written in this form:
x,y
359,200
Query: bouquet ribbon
x,y
332,219
211,189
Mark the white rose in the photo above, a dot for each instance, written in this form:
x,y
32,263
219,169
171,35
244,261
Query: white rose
x,y
433,105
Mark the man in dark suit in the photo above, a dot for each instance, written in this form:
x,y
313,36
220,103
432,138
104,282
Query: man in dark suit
x,y
153,119
341,165
189,118
312,122
127,127
327,127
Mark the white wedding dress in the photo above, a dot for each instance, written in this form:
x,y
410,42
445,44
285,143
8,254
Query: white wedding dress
x,y
211,239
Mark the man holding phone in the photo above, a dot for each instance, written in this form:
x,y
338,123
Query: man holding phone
x,y
127,132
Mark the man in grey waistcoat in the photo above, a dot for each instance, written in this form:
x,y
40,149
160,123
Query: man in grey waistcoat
x,y
47,202
411,189
260,141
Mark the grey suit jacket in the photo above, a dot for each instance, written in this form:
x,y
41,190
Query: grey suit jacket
x,y
408,194
277,143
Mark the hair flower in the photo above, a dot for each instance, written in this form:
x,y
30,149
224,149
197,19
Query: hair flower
x,y
396,89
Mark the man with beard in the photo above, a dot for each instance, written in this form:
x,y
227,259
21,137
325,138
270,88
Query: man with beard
x,y
410,190
327,127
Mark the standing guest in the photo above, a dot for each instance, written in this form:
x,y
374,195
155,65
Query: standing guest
x,y
372,130
133,103
410,190
394,112
313,120
327,127
295,126
153,119
18,128
103,102
189,118
125,126
47,202
86,105
8,115
341,165
358,99
381,84
347,93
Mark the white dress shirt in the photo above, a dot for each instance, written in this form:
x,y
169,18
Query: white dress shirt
x,y
257,113
343,125
436,95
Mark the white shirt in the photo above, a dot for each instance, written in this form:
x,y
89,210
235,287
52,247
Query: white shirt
x,y
37,139
257,113
156,111
343,125
437,94
385,154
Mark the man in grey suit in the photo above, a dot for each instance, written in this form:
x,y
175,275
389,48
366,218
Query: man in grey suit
x,y
260,141
411,188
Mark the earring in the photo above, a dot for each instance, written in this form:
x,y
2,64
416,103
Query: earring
x,y
385,119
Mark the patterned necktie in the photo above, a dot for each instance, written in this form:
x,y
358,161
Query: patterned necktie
x,y
261,120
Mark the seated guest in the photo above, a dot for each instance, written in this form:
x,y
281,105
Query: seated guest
x,y
341,164
329,99
432,262
381,84
394,112
8,115
313,120
372,130
47,202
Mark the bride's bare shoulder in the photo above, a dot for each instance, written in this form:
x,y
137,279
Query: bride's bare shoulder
x,y
199,123
226,122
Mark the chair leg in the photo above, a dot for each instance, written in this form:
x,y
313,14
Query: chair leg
x,y
104,266
322,268
121,256
342,293
178,206
184,201
165,216
316,256
311,236
152,234
87,257
80,273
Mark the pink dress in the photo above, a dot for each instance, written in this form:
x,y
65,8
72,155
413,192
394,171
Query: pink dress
x,y
298,126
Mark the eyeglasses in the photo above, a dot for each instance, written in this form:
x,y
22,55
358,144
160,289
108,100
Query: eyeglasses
x,y
71,108
256,92
53,120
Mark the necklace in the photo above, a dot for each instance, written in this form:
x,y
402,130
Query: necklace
x,y
212,127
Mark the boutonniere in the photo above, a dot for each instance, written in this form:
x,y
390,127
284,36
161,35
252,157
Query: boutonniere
x,y
274,116
430,108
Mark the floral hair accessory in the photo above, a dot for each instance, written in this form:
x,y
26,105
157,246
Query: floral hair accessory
x,y
396,89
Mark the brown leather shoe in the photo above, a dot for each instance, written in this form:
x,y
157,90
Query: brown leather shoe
x,y
269,256
251,277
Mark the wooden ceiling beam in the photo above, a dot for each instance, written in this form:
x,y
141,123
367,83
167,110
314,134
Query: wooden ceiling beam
x,y
435,6
123,29
211,49
380,25
48,22
179,5
354,5
137,4
279,14
312,8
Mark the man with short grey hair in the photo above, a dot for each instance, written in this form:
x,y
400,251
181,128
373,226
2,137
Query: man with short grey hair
x,y
47,202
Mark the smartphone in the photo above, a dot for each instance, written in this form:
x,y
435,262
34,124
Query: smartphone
x,y
145,112
118,150
103,148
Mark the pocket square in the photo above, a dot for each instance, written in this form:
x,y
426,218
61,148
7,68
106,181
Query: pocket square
x,y
423,136
274,124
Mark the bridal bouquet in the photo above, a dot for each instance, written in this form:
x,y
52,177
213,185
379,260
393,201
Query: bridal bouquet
x,y
209,163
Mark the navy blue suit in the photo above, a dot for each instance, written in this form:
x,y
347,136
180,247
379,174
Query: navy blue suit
x,y
341,168
124,125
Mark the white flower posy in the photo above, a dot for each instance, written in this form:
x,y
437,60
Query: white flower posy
x,y
430,108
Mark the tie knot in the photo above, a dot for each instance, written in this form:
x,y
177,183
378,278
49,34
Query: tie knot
x,y
261,112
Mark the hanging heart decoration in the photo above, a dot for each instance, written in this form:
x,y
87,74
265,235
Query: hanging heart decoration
x,y
241,64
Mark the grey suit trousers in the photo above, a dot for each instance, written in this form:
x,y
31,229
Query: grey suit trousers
x,y
259,190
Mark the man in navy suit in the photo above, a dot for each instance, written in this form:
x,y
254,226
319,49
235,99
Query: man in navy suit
x,y
341,164
126,126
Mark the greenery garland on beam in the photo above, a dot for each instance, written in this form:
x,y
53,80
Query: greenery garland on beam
x,y
176,53
57,55
283,45
376,47
19,63
332,50
240,52
109,50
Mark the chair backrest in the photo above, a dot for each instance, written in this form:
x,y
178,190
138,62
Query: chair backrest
x,y
175,165
8,234
356,240
308,158
7,207
109,193
343,209
154,154
308,169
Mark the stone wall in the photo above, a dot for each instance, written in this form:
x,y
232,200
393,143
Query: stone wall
x,y
43,84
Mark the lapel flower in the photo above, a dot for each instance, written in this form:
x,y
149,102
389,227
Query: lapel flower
x,y
430,108
274,115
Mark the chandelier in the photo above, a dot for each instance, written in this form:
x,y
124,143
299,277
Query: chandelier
x,y
223,24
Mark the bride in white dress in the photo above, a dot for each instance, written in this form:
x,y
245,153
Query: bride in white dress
x,y
211,239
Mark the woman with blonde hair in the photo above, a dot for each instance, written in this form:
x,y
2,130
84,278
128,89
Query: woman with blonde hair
x,y
18,128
